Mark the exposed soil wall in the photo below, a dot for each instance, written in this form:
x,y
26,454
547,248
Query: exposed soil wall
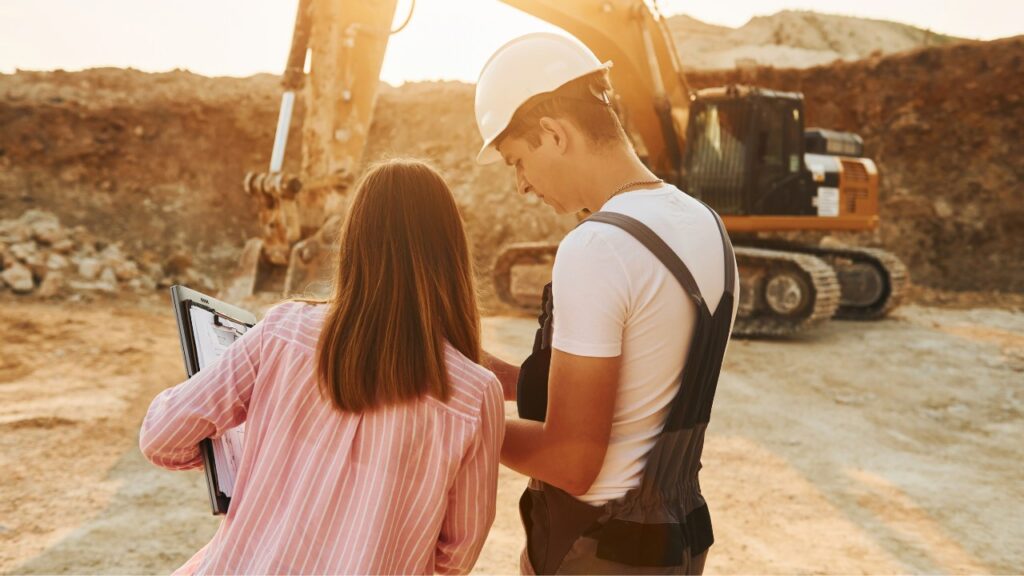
x,y
946,128
155,161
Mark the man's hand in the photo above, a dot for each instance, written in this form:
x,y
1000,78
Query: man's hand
x,y
508,374
568,449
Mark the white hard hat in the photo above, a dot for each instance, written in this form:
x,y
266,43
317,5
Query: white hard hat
x,y
521,69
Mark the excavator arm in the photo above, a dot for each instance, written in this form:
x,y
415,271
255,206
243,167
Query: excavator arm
x,y
345,41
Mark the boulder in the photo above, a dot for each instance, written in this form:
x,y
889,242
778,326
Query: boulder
x,y
89,268
28,253
6,258
64,246
35,216
13,231
108,277
126,270
142,283
52,285
19,278
24,251
85,240
56,261
112,255
48,232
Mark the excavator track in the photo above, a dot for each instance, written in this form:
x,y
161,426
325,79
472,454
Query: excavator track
x,y
872,281
810,281
891,272
761,270
522,254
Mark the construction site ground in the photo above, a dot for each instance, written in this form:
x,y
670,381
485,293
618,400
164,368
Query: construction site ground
x,y
883,447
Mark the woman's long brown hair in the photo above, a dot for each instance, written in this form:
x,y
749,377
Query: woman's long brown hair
x,y
404,285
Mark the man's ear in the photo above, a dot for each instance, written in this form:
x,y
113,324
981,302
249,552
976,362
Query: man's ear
x,y
555,129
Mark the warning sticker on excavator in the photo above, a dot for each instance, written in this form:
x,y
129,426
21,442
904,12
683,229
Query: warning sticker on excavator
x,y
817,171
827,201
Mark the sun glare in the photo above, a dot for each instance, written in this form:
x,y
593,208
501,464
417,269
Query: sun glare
x,y
445,39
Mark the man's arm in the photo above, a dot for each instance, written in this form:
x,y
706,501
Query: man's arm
x,y
508,374
568,449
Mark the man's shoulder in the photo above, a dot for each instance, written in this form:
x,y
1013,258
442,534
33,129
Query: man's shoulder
x,y
590,242
661,203
668,213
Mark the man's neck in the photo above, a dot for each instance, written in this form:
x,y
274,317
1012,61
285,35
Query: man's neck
x,y
607,172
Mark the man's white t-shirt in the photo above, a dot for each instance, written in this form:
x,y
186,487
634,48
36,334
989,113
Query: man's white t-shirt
x,y
612,296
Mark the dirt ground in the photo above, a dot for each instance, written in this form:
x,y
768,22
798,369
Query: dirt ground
x,y
861,448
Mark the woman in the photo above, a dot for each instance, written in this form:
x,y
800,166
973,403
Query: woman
x,y
372,435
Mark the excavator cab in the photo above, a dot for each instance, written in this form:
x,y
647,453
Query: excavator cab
x,y
745,152
750,158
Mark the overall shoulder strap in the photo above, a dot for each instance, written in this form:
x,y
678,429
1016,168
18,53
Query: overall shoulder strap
x,y
657,246
730,257
669,489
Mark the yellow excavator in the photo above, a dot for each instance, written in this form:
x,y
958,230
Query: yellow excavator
x,y
742,150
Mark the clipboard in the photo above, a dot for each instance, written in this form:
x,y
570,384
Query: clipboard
x,y
198,315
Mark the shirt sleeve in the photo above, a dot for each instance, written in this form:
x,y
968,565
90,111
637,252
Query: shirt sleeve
x,y
473,497
213,401
591,295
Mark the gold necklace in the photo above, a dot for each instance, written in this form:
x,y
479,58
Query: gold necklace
x,y
632,184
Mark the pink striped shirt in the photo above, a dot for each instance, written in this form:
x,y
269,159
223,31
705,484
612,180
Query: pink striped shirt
x,y
407,488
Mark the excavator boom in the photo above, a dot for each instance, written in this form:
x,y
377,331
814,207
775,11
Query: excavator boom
x,y
652,96
344,41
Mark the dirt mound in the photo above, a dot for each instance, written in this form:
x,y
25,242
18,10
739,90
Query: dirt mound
x,y
794,39
155,161
946,128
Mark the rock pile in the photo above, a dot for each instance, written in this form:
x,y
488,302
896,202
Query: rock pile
x,y
39,256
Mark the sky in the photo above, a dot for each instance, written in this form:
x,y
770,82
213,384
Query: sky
x,y
446,39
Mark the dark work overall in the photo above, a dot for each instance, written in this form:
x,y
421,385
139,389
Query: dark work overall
x,y
662,526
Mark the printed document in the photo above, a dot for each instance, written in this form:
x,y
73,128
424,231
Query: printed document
x,y
212,335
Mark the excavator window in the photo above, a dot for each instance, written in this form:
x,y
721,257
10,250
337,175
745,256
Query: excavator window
x,y
779,188
717,153
771,175
771,139
794,129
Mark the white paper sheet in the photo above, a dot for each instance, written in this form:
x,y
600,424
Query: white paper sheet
x,y
213,334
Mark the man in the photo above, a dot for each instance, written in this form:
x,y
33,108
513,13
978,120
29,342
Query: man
x,y
613,464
